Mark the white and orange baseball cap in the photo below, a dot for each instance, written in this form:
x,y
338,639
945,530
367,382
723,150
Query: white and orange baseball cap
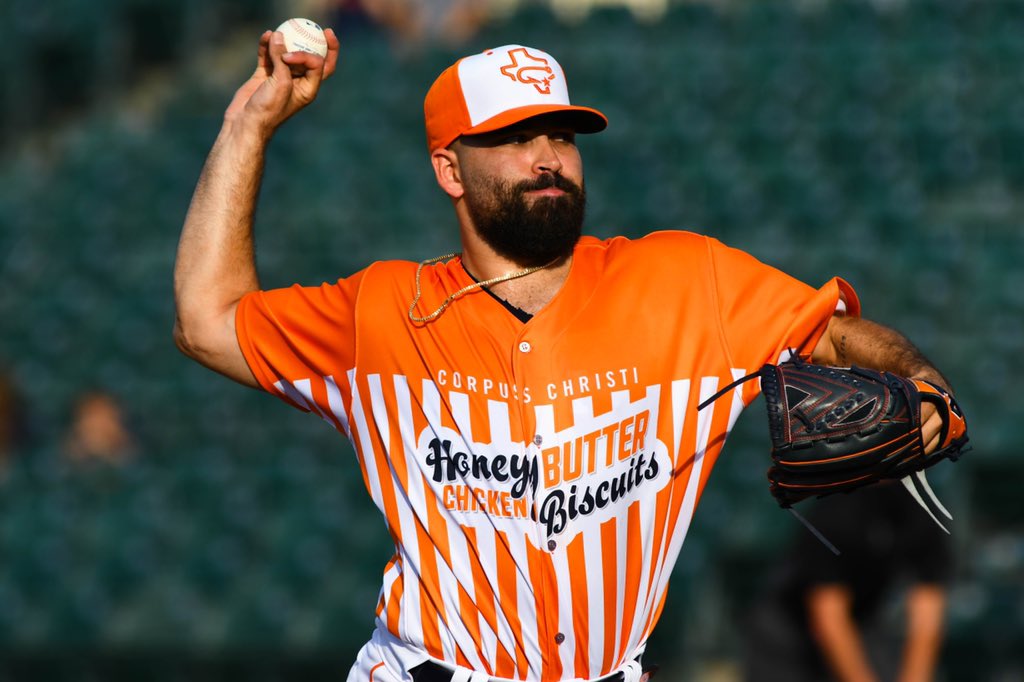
x,y
496,88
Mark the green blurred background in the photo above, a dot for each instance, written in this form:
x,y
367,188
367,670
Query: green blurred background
x,y
879,141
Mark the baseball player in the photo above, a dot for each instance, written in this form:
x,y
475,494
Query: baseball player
x,y
524,412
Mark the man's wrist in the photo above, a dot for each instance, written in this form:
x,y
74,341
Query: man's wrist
x,y
246,132
932,375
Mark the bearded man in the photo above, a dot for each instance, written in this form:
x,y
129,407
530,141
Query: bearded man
x,y
524,413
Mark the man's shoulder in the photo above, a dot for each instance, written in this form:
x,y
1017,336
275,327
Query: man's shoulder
x,y
387,274
664,245
385,267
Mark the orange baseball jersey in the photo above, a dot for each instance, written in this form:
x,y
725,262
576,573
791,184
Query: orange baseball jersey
x,y
538,479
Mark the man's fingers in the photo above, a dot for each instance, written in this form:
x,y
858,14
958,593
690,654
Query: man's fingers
x,y
306,64
333,50
302,63
283,83
931,427
263,54
277,52
307,71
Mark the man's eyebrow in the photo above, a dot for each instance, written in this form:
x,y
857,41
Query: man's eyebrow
x,y
494,136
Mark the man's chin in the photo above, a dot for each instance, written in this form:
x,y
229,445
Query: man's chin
x,y
550,254
531,228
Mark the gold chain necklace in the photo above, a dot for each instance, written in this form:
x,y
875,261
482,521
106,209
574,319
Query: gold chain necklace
x,y
496,280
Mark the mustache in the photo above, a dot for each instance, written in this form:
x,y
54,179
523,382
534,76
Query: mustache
x,y
547,181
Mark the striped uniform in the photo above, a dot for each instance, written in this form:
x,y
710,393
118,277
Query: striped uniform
x,y
538,479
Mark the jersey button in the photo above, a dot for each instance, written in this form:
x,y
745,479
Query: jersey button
x,y
551,545
559,638
537,440
525,346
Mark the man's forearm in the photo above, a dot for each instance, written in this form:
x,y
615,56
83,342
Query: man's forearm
x,y
856,341
925,606
216,256
831,623
216,265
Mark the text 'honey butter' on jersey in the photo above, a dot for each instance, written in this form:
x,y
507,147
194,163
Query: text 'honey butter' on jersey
x,y
538,479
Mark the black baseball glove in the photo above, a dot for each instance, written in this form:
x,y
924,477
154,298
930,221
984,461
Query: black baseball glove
x,y
838,429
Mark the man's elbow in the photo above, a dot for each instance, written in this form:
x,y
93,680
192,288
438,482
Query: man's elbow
x,y
211,342
195,340
183,340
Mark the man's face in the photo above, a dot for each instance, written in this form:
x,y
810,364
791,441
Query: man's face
x,y
524,191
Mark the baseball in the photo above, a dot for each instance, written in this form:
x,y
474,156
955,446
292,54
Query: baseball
x,y
304,35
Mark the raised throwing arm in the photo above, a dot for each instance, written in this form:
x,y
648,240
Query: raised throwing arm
x,y
215,263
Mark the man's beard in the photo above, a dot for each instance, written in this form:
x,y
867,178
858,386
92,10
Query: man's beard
x,y
530,234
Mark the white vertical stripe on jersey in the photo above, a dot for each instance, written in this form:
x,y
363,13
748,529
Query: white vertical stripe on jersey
x,y
432,411
485,545
528,586
529,614
525,605
337,405
300,392
567,649
409,623
501,437
583,413
460,572
680,401
393,573
560,561
671,544
620,405
648,507
708,386
737,399
364,447
546,427
595,598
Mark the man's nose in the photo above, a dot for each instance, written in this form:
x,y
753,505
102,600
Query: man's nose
x,y
546,159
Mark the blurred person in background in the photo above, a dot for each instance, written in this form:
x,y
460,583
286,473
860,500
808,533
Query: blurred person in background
x,y
416,23
823,616
349,17
98,431
14,428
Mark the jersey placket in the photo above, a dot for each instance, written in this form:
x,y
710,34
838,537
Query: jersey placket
x,y
527,353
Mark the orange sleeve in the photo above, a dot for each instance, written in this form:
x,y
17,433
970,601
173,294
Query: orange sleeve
x,y
764,312
299,333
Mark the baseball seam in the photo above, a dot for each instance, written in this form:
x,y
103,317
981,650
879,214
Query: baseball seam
x,y
308,35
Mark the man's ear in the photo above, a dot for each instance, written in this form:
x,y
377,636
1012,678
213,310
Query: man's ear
x,y
447,172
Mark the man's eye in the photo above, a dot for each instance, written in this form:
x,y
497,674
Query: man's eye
x,y
514,139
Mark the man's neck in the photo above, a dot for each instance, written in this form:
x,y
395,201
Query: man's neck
x,y
529,292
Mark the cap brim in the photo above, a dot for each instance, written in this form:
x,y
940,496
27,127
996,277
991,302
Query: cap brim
x,y
581,119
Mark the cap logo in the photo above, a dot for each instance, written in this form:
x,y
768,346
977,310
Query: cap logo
x,y
529,70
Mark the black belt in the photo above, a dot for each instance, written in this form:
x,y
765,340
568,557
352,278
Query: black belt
x,y
432,672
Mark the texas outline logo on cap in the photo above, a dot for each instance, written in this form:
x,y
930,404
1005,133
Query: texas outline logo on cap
x,y
534,71
497,88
